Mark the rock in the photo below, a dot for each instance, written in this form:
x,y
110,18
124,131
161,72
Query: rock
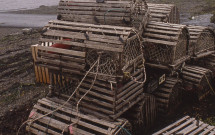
x,y
27,31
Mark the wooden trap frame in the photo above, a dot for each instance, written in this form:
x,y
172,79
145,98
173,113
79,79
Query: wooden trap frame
x,y
198,79
143,115
168,96
187,125
67,120
107,12
120,72
167,13
165,44
202,41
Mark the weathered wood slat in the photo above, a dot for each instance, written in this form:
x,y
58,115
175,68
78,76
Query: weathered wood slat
x,y
167,101
162,31
71,119
60,120
172,125
171,38
130,86
97,95
68,110
62,69
154,41
60,63
106,47
64,51
109,12
90,25
207,130
129,98
186,125
58,56
199,129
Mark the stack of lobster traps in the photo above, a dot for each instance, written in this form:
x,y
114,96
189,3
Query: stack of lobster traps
x,y
183,53
114,63
95,70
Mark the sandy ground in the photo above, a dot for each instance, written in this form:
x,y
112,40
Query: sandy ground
x,y
18,90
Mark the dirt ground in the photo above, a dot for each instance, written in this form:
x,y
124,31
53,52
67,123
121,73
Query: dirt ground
x,y
19,92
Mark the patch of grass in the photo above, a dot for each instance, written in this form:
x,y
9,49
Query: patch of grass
x,y
210,121
210,8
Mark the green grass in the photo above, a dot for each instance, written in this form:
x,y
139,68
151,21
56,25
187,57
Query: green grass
x,y
210,6
210,121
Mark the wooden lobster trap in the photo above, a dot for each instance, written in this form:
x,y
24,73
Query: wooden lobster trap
x,y
187,125
198,79
66,120
202,40
106,12
75,48
168,13
165,44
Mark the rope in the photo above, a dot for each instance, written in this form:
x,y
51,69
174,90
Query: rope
x,y
61,105
141,49
135,80
124,130
77,106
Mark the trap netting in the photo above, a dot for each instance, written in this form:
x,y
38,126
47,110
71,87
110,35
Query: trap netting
x,y
182,45
107,63
202,39
164,13
112,63
132,54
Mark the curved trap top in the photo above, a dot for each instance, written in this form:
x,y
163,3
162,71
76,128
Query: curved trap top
x,y
202,40
165,43
118,47
164,13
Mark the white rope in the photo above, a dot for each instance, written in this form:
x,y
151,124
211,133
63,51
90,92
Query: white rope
x,y
77,106
141,49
